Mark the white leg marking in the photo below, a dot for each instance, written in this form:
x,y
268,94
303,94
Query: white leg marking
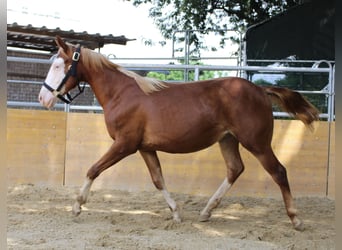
x,y
172,204
215,200
82,198
85,189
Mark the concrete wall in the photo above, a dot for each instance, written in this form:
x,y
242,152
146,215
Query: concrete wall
x,y
56,148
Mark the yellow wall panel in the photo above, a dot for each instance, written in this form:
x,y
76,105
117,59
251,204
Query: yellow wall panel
x,y
331,172
302,152
52,147
35,146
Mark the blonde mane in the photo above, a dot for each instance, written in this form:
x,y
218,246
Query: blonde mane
x,y
98,62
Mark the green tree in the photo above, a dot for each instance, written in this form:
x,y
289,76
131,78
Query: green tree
x,y
209,15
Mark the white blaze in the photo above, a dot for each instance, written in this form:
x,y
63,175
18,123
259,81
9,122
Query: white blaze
x,y
53,79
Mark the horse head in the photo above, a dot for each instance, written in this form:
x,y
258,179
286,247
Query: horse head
x,y
62,75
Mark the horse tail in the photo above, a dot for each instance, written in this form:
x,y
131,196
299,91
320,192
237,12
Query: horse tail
x,y
293,103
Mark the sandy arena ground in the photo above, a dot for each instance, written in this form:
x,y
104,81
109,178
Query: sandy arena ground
x,y
41,218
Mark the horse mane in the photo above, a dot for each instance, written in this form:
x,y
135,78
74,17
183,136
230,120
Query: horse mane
x,y
98,62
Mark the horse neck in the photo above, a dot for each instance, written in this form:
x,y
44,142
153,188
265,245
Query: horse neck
x,y
110,85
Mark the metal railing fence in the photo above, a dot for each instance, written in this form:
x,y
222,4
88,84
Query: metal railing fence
x,y
329,71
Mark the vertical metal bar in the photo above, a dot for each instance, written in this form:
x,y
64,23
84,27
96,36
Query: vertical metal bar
x,y
65,149
244,60
197,72
332,82
173,44
330,95
186,54
331,112
66,107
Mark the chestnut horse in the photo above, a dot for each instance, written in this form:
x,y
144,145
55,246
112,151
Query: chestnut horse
x,y
147,115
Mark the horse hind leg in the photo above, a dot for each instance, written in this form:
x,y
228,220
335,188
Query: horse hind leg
x,y
279,175
229,146
153,165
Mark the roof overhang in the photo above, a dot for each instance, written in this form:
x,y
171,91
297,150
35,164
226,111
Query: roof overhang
x,y
42,38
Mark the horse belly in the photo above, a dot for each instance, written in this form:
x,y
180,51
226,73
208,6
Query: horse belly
x,y
182,140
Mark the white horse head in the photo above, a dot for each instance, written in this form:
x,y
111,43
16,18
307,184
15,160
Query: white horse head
x,y
54,77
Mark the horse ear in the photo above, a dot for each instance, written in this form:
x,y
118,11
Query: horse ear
x,y
61,44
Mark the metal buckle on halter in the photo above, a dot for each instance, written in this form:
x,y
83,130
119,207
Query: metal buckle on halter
x,y
76,56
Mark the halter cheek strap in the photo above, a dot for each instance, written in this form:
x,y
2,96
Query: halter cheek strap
x,y
56,93
71,72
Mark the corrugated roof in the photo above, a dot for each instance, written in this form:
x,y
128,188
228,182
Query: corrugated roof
x,y
42,38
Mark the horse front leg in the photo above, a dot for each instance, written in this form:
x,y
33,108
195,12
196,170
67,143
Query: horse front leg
x,y
115,153
82,197
153,165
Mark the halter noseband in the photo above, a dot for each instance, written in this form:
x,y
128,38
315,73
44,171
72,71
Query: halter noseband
x,y
71,72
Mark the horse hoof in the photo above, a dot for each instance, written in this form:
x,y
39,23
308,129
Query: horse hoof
x,y
176,217
76,209
299,226
204,217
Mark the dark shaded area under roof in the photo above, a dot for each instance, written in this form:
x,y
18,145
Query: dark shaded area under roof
x,y
43,39
306,31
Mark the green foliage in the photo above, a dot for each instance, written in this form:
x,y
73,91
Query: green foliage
x,y
262,82
174,75
179,75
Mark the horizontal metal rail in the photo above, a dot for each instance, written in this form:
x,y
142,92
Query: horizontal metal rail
x,y
226,68
28,60
261,69
196,69
113,57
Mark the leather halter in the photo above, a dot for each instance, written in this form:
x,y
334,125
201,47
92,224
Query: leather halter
x,y
71,72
